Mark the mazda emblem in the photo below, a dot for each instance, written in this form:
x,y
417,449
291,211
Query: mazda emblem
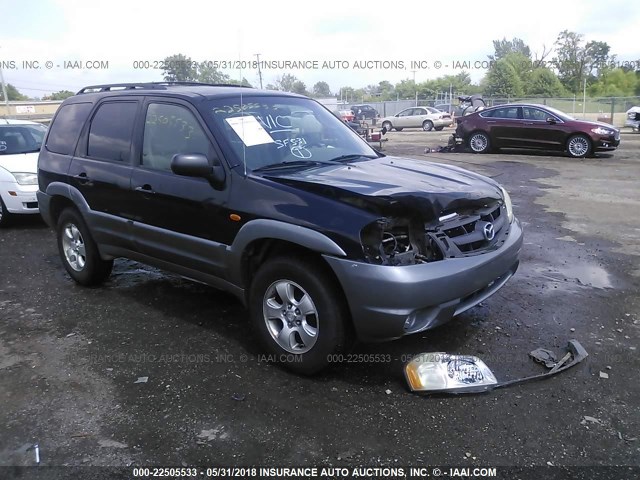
x,y
488,231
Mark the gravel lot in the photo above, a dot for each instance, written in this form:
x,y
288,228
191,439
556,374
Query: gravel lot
x,y
70,356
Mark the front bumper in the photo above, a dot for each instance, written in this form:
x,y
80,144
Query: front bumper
x,y
19,198
606,142
635,124
389,302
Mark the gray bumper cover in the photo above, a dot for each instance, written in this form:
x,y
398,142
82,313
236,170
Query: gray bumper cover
x,y
382,298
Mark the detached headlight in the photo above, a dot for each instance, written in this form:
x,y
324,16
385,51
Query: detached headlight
x,y
602,131
442,372
26,178
507,204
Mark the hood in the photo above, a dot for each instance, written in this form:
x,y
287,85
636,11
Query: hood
x,y
397,186
589,123
20,162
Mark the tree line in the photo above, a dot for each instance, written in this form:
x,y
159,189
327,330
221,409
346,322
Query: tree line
x,y
560,71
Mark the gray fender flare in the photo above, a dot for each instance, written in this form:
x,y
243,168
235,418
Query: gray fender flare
x,y
72,193
274,229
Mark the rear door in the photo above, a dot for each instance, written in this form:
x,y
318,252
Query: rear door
x,y
505,126
178,219
101,168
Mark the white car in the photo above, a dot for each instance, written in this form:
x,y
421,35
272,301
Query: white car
x,y
20,142
633,119
427,118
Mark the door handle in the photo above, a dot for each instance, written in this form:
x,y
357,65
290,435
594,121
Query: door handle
x,y
492,121
146,188
83,178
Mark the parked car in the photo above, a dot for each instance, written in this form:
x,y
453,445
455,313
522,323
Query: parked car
x,y
321,236
364,112
427,118
356,126
346,115
20,142
450,109
633,119
535,127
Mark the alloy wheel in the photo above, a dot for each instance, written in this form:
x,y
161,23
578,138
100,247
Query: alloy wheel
x,y
74,247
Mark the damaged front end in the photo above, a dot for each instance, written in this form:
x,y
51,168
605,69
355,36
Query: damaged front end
x,y
469,230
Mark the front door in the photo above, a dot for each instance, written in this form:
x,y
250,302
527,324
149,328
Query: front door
x,y
178,219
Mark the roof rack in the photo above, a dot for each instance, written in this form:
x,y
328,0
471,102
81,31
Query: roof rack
x,y
150,86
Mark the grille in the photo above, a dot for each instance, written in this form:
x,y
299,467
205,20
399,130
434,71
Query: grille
x,y
467,232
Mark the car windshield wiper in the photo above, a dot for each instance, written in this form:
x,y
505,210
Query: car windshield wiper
x,y
353,156
290,164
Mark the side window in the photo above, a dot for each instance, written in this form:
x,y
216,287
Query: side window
x,y
534,114
406,113
169,130
111,131
511,112
66,127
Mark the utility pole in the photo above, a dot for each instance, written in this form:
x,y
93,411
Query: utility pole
x,y
415,87
259,70
4,91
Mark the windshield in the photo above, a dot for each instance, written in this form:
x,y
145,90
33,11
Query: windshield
x,y
559,113
21,138
268,130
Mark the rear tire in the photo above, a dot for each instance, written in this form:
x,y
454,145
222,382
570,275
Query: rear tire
x,y
438,129
578,146
479,142
79,252
5,216
398,129
299,314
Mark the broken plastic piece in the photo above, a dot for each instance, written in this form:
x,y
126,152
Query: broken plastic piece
x,y
142,380
542,355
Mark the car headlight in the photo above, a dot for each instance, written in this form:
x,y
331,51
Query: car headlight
x,y
602,131
26,178
507,203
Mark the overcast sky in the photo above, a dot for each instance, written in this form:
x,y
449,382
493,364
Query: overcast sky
x,y
121,32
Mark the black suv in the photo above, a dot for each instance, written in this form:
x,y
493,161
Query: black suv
x,y
269,196
364,112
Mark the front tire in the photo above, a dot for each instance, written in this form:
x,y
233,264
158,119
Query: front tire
x,y
5,216
79,252
479,142
578,146
427,125
299,313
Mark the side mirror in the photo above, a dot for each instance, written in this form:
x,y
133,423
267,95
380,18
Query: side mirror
x,y
551,121
197,165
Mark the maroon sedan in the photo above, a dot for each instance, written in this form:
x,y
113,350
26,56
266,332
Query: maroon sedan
x,y
535,127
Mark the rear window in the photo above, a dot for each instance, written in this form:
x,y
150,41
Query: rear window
x,y
65,130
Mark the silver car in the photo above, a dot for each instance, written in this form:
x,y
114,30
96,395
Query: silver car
x,y
427,118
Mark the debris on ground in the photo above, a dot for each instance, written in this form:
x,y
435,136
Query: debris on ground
x,y
239,397
142,380
589,419
604,375
547,357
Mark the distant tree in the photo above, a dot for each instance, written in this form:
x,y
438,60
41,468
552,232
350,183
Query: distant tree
x,y
180,68
271,86
544,83
13,94
576,61
502,81
504,47
321,89
207,73
521,64
299,87
406,89
245,82
61,95
285,82
615,83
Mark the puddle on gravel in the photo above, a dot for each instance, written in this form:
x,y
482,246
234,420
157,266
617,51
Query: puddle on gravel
x,y
584,274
